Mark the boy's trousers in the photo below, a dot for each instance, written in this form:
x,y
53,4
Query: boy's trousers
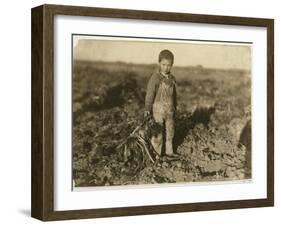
x,y
165,117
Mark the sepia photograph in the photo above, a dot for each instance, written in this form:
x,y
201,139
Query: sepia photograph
x,y
151,111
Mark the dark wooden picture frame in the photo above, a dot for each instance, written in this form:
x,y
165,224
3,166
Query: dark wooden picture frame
x,y
42,203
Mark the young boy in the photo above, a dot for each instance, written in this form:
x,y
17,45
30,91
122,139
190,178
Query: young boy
x,y
161,102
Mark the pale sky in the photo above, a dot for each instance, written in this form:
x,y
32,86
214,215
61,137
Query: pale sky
x,y
186,53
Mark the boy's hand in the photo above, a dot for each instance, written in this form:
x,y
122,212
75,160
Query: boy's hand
x,y
146,114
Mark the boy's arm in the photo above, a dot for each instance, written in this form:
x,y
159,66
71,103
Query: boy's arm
x,y
175,97
150,93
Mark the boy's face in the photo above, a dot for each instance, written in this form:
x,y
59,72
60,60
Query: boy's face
x,y
165,66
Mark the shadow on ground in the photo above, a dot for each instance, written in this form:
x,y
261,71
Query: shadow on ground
x,y
187,121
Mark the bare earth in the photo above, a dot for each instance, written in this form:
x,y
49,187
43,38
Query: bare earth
x,y
213,125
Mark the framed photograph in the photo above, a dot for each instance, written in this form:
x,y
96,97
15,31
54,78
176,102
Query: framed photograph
x,y
142,112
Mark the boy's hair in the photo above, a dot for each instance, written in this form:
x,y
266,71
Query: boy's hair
x,y
166,54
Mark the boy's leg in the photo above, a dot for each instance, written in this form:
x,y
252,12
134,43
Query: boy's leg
x,y
157,140
170,132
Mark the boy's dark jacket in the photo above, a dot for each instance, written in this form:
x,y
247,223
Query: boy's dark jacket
x,y
152,88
